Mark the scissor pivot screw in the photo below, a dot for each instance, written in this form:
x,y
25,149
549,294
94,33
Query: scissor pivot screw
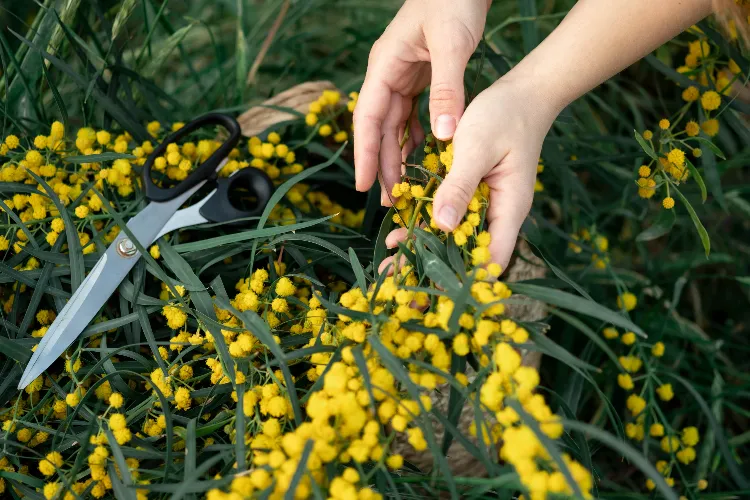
x,y
126,248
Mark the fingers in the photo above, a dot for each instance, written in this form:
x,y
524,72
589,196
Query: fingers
x,y
471,163
390,149
395,237
369,115
511,194
416,137
449,55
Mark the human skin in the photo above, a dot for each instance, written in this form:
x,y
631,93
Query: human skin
x,y
429,42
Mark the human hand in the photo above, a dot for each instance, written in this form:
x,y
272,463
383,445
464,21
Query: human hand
x,y
498,140
429,42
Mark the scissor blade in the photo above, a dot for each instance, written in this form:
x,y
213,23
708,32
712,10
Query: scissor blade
x,y
85,303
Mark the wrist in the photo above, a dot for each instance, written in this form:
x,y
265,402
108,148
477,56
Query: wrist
x,y
546,100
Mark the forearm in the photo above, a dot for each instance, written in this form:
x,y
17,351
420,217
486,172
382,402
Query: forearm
x,y
599,38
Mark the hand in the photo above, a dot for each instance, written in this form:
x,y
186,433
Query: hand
x,y
498,140
429,42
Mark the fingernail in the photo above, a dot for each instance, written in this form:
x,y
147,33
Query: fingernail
x,y
448,217
445,126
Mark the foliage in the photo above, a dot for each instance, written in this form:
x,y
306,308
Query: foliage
x,y
276,356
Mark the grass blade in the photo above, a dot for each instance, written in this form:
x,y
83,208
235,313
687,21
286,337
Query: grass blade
x,y
569,301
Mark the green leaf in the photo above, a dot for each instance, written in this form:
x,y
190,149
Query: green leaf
x,y
529,30
713,147
15,350
300,472
697,176
241,72
312,239
440,273
122,17
253,234
702,233
645,145
165,50
56,94
580,305
551,348
358,271
662,225
97,158
591,334
380,250
626,451
713,178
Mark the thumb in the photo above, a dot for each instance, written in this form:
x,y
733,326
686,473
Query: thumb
x,y
454,194
449,61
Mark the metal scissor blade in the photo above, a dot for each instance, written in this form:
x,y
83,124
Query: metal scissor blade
x,y
85,303
189,216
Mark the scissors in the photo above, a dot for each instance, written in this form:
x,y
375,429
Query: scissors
x,y
159,217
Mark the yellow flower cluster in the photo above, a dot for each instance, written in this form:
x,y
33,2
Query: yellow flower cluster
x,y
330,117
705,65
647,418
598,245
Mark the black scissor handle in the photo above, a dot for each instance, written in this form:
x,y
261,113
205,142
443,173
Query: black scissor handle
x,y
249,182
205,169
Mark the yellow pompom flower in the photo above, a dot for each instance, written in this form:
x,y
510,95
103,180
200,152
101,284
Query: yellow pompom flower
x,y
635,404
710,127
665,392
625,381
50,490
153,128
627,301
658,349
710,100
82,211
676,157
182,398
340,136
690,436
644,171
116,400
668,202
154,251
176,317
664,124
628,338
610,333
117,422
285,287
656,430
325,130
692,128
648,135
50,462
691,94
12,142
